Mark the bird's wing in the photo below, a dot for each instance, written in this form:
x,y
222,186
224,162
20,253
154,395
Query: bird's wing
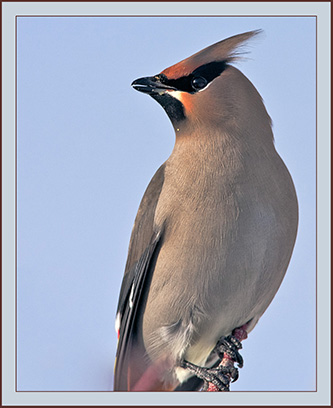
x,y
143,244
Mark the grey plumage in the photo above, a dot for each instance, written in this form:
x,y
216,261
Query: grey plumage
x,y
222,213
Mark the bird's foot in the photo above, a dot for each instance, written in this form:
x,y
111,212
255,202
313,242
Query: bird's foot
x,y
218,378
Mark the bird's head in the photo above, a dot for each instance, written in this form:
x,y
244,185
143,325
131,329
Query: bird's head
x,y
205,88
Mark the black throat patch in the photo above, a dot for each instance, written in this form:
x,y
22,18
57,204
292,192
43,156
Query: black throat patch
x,y
172,106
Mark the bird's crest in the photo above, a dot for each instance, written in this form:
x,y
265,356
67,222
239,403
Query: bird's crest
x,y
226,50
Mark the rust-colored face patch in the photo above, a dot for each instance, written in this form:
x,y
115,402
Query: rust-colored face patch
x,y
187,100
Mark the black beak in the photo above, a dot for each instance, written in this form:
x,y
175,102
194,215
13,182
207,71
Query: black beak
x,y
151,85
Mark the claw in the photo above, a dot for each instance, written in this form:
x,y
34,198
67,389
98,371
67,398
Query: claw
x,y
220,376
230,345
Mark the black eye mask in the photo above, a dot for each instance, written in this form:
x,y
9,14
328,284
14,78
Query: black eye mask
x,y
198,79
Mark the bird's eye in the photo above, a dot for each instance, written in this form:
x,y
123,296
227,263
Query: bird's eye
x,y
198,83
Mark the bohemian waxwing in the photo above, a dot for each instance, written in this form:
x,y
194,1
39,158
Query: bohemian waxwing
x,y
214,232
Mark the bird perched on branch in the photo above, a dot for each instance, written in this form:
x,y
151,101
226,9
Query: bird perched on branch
x,y
214,232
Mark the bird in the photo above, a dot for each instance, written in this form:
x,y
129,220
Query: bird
x,y
214,232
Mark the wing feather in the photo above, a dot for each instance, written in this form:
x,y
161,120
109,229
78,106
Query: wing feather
x,y
143,244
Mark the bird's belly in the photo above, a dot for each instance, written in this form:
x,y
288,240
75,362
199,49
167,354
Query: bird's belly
x,y
200,292
187,325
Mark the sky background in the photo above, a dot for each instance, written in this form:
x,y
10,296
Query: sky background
x,y
88,145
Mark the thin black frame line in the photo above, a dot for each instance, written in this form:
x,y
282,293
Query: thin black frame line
x,y
166,15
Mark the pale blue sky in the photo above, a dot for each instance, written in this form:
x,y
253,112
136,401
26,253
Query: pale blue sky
x,y
88,145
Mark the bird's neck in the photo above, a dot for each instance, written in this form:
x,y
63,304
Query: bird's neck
x,y
198,176
207,154
216,158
